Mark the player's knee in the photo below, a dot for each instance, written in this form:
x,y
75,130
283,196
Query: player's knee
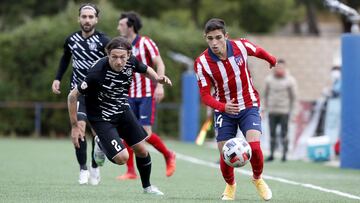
x,y
140,150
122,157
253,135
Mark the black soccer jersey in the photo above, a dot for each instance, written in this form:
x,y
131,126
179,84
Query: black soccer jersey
x,y
106,90
84,52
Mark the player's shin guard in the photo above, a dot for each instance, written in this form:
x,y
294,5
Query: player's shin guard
x,y
227,172
81,154
156,141
144,168
257,159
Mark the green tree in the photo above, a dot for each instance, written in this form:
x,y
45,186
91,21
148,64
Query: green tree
x,y
261,16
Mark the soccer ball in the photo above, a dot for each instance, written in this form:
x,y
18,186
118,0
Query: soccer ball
x,y
236,152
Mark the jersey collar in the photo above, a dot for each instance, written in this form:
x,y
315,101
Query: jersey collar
x,y
229,50
137,38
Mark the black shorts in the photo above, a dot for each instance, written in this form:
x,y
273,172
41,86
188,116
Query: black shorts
x,y
81,109
110,133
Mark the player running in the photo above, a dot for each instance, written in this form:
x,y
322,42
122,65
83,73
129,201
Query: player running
x,y
106,99
144,93
223,65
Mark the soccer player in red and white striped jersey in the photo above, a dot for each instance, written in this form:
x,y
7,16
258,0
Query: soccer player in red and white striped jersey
x,y
224,66
144,93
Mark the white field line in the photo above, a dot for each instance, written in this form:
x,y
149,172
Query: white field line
x,y
267,177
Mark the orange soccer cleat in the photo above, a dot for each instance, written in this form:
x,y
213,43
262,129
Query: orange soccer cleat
x,y
127,176
170,164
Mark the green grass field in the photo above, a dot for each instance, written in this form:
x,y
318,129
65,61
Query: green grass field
x,y
44,170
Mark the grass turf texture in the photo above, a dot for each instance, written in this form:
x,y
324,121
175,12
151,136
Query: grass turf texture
x,y
44,170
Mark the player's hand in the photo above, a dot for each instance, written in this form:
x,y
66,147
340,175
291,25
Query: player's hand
x,y
77,134
164,80
232,108
159,93
273,62
56,87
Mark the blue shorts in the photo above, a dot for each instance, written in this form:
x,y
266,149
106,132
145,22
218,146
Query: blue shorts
x,y
226,125
144,109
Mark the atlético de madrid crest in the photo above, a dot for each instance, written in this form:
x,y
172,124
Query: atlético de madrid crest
x,y
238,60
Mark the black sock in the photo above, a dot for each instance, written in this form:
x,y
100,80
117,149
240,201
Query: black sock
x,y
81,154
144,168
93,163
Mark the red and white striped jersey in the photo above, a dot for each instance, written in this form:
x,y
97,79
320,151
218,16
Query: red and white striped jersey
x,y
144,49
230,78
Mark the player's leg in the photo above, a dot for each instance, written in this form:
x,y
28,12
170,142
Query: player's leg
x,y
225,129
94,171
250,125
133,133
110,142
81,152
81,156
284,138
272,125
147,110
98,159
130,166
130,173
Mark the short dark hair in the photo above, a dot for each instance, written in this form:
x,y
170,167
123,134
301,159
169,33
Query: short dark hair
x,y
281,61
134,20
215,24
118,43
90,5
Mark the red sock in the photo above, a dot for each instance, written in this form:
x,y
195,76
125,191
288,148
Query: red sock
x,y
130,162
155,141
227,172
257,159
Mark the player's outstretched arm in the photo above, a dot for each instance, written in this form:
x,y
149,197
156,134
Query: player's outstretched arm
x,y
261,53
76,133
162,79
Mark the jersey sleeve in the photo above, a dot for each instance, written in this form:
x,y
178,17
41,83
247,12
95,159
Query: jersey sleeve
x,y
257,51
151,47
204,83
138,65
64,61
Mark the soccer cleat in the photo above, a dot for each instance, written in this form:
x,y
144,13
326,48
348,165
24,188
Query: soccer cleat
x,y
94,176
170,164
229,192
99,155
152,190
262,189
127,176
84,177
